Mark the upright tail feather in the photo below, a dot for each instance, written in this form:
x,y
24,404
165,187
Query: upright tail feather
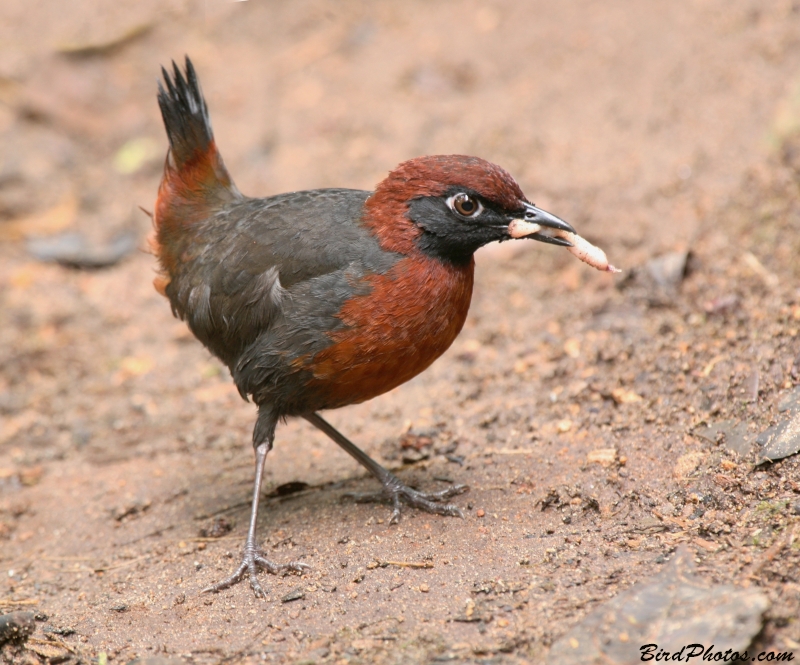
x,y
185,114
195,180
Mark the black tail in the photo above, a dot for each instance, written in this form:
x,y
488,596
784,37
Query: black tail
x,y
185,114
195,180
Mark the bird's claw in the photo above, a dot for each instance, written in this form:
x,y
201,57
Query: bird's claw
x,y
252,562
397,493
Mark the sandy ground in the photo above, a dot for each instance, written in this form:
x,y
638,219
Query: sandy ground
x,y
575,404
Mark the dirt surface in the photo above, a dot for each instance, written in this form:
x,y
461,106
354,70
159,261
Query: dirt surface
x,y
575,404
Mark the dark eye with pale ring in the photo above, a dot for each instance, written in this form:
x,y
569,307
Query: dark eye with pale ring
x,y
465,205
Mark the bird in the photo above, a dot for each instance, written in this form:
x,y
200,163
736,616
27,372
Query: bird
x,y
323,298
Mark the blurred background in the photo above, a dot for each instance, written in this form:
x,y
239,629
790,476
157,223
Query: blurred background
x,y
628,118
573,403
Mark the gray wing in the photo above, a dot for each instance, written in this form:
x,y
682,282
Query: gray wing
x,y
274,271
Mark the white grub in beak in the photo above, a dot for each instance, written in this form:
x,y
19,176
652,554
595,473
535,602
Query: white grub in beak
x,y
519,228
582,248
586,251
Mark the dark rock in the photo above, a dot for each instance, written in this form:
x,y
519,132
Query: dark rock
x,y
55,630
73,250
287,489
668,270
218,528
16,626
658,280
780,441
669,613
294,594
732,434
790,401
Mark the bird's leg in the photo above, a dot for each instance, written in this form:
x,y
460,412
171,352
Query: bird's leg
x,y
394,490
252,557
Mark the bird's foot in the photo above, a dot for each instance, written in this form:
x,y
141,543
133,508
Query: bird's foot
x,y
252,562
397,493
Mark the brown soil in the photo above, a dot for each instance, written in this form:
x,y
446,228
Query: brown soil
x,y
571,404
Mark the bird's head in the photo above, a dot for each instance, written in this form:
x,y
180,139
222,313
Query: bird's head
x,y
450,205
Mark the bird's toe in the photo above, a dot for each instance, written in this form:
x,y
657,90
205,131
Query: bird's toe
x,y
397,494
253,562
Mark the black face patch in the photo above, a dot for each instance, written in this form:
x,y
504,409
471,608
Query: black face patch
x,y
450,236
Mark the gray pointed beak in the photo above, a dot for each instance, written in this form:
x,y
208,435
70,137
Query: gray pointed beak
x,y
541,217
532,221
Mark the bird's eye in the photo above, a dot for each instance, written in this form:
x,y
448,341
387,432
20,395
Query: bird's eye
x,y
464,205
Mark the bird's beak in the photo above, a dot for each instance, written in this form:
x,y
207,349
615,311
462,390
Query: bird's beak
x,y
532,221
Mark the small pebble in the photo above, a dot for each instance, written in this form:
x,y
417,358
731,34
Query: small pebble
x,y
294,594
481,512
424,588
